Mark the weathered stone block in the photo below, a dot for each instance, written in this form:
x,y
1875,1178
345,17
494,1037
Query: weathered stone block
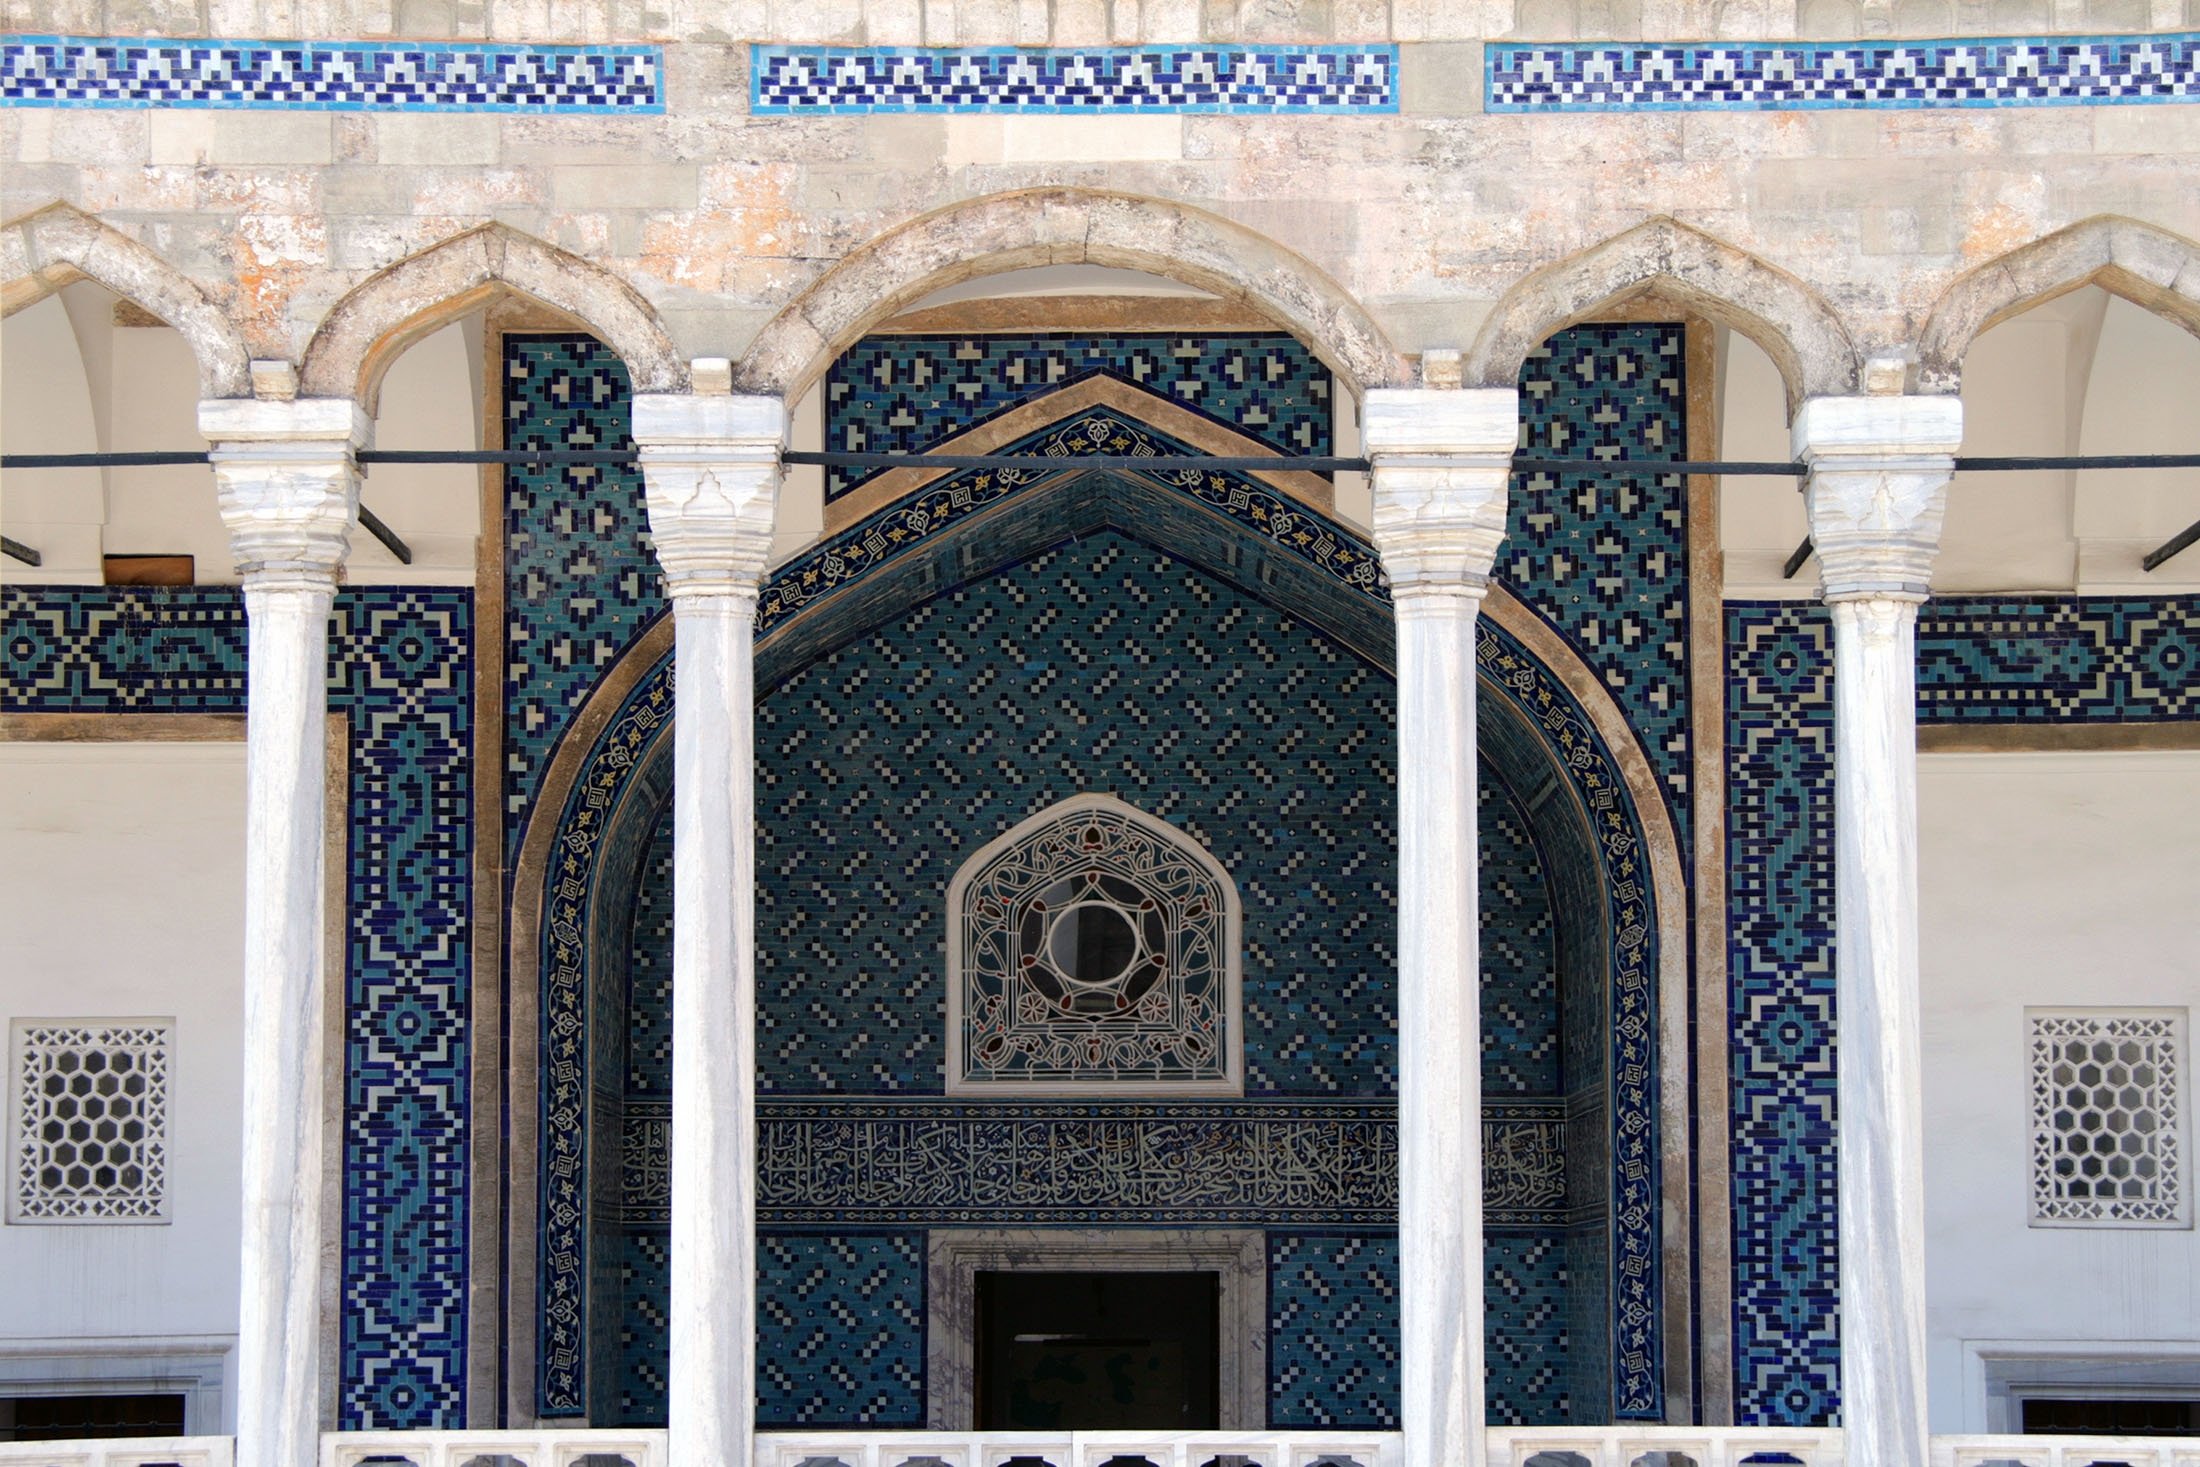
x,y
431,138
635,186
1440,79
1090,139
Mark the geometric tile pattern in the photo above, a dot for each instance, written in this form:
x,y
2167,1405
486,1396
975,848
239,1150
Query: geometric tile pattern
x,y
580,580
1095,666
1604,557
647,1025
645,1288
1777,76
1294,79
904,394
1525,1293
400,666
840,1329
1332,1330
328,76
91,1121
2091,659
1274,519
1520,1007
1779,753
1980,660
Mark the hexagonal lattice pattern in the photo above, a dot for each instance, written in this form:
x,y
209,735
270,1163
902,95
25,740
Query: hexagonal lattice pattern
x,y
2108,1118
91,1122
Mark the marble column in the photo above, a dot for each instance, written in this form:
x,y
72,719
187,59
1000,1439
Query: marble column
x,y
1878,488
1439,464
711,465
288,479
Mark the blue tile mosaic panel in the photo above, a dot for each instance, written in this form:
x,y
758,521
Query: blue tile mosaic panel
x,y
1604,558
882,766
1779,755
840,1329
400,667
1520,1009
580,580
906,394
1780,76
852,1036
328,76
859,551
2093,659
1981,660
1332,1331
645,1286
1158,79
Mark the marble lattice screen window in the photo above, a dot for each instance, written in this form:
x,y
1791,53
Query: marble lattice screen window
x,y
90,1123
1094,945
2109,1143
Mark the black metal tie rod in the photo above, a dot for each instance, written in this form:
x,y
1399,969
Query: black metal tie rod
x,y
625,457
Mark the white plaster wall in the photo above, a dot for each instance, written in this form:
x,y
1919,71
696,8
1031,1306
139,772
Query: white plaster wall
x,y
121,894
2045,879
1761,518
2138,399
46,407
153,406
2011,531
431,399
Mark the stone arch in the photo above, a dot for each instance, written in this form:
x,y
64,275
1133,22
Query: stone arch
x,y
374,323
1591,789
1665,257
2148,266
58,245
1065,226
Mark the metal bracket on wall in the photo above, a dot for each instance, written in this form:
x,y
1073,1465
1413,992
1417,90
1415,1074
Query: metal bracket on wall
x,y
17,550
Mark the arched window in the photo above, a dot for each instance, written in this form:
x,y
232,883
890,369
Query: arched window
x,y
1093,946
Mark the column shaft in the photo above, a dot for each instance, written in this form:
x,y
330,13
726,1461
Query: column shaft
x,y
1440,461
1439,1032
1882,1176
712,1384
287,476
711,465
1876,497
279,1326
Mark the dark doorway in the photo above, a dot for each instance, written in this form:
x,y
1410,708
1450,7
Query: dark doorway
x,y
68,1418
1098,1351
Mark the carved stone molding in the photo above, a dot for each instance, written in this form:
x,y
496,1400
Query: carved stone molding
x,y
1878,490
711,466
287,473
1439,463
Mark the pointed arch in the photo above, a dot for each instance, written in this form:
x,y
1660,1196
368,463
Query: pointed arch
x,y
1065,226
1663,256
43,251
374,323
2148,266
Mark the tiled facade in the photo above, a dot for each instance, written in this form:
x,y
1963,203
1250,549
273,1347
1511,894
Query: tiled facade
x,y
1981,660
400,668
1101,79
328,76
1772,76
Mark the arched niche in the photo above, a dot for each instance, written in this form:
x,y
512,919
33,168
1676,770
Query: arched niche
x,y
1590,805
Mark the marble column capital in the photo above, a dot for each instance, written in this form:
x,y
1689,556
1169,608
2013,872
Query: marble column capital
x,y
1439,462
711,470
1877,491
287,473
